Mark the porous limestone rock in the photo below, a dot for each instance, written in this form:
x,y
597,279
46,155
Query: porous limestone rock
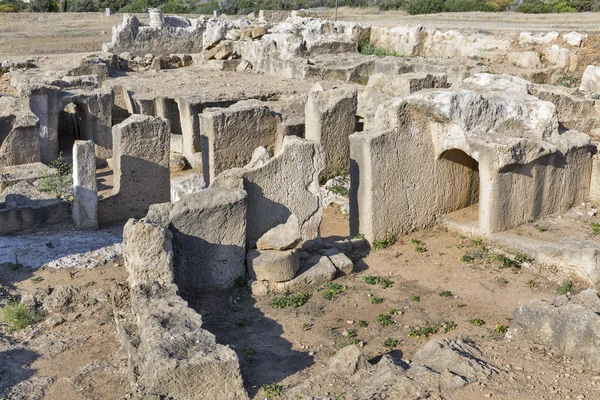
x,y
185,185
590,81
347,361
168,352
341,262
526,59
495,156
273,265
230,135
382,87
569,325
85,195
151,244
141,168
209,229
259,158
316,270
330,119
282,237
287,184
574,38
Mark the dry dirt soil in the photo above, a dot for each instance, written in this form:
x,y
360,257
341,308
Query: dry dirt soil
x,y
72,354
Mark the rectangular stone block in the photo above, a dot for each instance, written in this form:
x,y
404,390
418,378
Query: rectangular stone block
x,y
85,195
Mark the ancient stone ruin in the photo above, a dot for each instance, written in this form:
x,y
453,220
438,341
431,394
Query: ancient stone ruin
x,y
213,145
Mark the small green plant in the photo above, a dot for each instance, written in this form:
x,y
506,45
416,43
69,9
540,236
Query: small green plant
x,y
271,390
502,329
477,321
374,280
393,311
506,262
566,287
350,333
294,301
420,249
17,316
376,300
522,257
416,299
341,396
37,279
359,236
305,326
596,96
248,353
383,243
467,258
477,242
386,283
531,283
595,228
329,328
447,326
332,290
60,180
385,320
461,305
445,293
362,324
340,185
541,230
419,245
568,80
367,48
240,282
389,342
422,332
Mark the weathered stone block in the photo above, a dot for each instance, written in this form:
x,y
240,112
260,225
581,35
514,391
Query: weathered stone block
x,y
273,265
85,195
209,230
330,120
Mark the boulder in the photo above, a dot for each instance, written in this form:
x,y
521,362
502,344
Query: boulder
x,y
317,270
209,239
590,81
273,265
570,325
347,361
341,262
282,237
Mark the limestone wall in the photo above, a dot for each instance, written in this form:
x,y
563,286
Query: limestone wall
x,y
168,352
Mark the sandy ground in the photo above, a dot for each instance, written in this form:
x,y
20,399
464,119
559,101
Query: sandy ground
x,y
50,33
78,358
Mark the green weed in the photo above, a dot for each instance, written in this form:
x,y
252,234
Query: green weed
x,y
332,290
294,301
17,316
385,320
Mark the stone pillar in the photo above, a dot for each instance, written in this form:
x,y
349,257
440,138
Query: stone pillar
x,y
156,18
85,195
330,120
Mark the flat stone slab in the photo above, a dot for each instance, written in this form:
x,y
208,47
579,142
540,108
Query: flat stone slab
x,y
26,172
565,241
66,249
